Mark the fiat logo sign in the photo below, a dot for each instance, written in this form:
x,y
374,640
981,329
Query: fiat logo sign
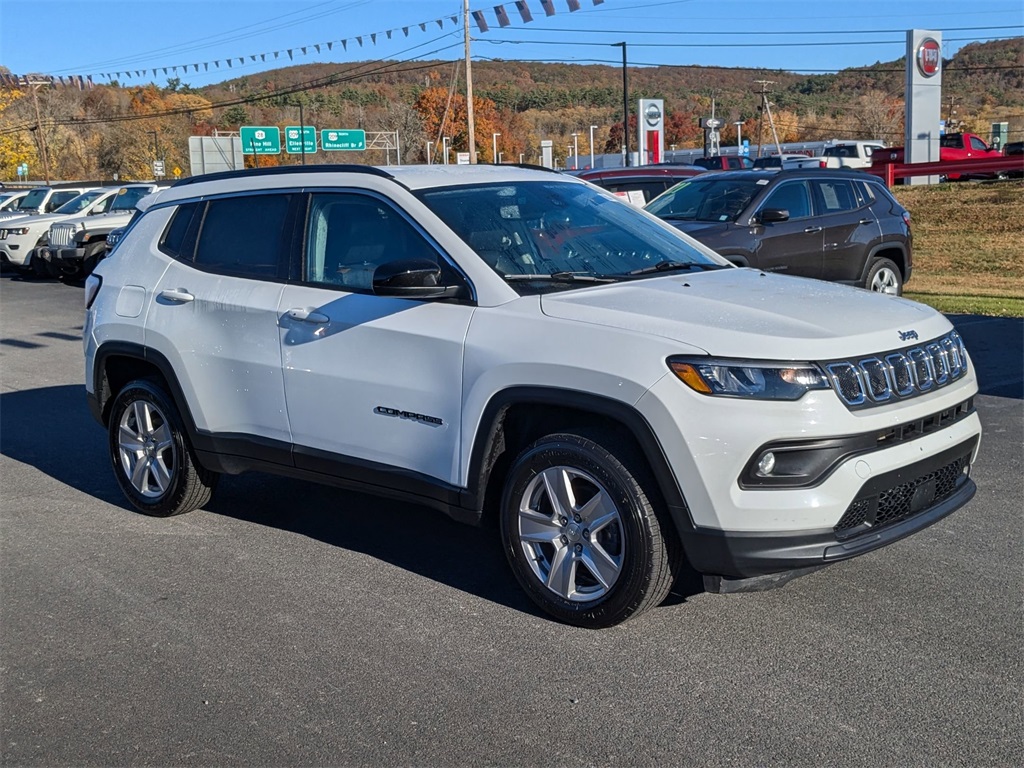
x,y
929,57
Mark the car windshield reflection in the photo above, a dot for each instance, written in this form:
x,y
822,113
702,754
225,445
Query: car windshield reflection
x,y
538,234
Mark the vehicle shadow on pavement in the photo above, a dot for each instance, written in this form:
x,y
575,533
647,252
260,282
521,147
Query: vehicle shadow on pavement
x,y
996,347
51,429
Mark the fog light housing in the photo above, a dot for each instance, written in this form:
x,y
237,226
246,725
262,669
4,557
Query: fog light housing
x,y
766,464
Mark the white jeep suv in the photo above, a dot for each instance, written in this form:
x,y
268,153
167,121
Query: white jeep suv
x,y
513,342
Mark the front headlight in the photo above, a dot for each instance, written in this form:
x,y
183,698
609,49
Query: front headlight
x,y
753,379
21,231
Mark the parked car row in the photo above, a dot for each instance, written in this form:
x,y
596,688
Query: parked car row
x,y
66,241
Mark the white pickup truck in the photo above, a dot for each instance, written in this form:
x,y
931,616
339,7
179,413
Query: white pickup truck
x,y
849,154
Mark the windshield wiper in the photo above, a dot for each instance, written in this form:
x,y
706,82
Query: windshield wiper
x,y
564,277
675,217
672,266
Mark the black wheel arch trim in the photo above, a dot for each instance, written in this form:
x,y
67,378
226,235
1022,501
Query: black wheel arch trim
x,y
876,253
488,436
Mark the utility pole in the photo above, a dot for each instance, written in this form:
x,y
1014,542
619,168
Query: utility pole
x,y
625,103
949,114
35,85
766,107
470,129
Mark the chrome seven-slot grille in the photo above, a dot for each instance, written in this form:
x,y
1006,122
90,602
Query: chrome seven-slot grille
x,y
899,374
62,234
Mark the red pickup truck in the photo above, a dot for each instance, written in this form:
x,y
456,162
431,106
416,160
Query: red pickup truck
x,y
952,146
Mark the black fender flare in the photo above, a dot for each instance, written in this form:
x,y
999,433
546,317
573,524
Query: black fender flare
x,y
487,437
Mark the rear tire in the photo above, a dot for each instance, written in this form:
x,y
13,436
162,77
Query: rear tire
x,y
152,459
582,530
884,277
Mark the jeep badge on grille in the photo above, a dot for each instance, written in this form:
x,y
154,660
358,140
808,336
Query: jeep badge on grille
x,y
905,335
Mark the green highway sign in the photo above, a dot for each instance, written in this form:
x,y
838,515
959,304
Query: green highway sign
x,y
342,140
260,139
292,143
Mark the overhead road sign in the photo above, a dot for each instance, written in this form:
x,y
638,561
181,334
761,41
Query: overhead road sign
x,y
260,139
292,145
342,140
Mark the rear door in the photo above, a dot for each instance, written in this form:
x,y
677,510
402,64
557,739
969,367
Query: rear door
x,y
792,247
214,316
849,228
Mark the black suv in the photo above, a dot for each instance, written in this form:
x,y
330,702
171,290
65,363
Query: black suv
x,y
836,225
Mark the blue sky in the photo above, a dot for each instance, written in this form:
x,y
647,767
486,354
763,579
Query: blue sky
x,y
102,37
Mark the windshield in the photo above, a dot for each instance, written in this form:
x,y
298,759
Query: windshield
x,y
705,200
127,197
34,199
80,203
554,230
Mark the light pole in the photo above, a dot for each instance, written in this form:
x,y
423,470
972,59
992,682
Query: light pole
x,y
494,142
156,151
592,146
428,153
625,106
576,151
739,136
445,142
500,154
520,158
568,151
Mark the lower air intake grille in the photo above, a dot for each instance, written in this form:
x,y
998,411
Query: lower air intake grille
x,y
899,502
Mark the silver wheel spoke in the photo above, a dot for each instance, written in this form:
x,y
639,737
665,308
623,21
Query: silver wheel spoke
x,y
140,474
161,476
162,436
143,417
128,440
599,512
537,529
600,564
562,576
558,487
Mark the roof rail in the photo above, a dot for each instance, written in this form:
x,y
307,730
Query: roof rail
x,y
280,169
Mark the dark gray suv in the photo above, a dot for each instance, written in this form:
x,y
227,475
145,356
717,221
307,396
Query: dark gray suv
x,y
837,225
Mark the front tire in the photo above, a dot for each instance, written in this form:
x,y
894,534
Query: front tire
x,y
884,277
150,453
581,530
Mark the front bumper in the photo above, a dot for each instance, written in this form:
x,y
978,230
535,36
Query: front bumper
x,y
70,256
888,507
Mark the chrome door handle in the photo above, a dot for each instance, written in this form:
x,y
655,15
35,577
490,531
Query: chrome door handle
x,y
809,230
865,221
177,295
308,316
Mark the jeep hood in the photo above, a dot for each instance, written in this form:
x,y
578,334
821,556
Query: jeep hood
x,y
751,314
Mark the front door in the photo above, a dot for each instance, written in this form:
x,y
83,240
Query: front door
x,y
792,247
372,382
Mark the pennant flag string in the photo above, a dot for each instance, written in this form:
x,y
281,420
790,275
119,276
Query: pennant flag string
x,y
479,19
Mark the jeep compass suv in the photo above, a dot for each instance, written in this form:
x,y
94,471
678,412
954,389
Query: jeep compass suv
x,y
830,224
516,344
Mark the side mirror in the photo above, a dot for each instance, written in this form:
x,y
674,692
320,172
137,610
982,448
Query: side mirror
x,y
412,279
772,215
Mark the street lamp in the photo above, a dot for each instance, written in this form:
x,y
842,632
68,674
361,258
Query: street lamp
x,y
445,141
576,151
500,154
739,136
568,152
592,145
494,141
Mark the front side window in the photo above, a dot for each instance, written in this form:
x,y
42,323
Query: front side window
x,y
245,236
551,235
978,144
59,198
350,235
79,203
791,196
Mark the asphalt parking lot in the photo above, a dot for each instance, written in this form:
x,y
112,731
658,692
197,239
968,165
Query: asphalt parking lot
x,y
295,625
